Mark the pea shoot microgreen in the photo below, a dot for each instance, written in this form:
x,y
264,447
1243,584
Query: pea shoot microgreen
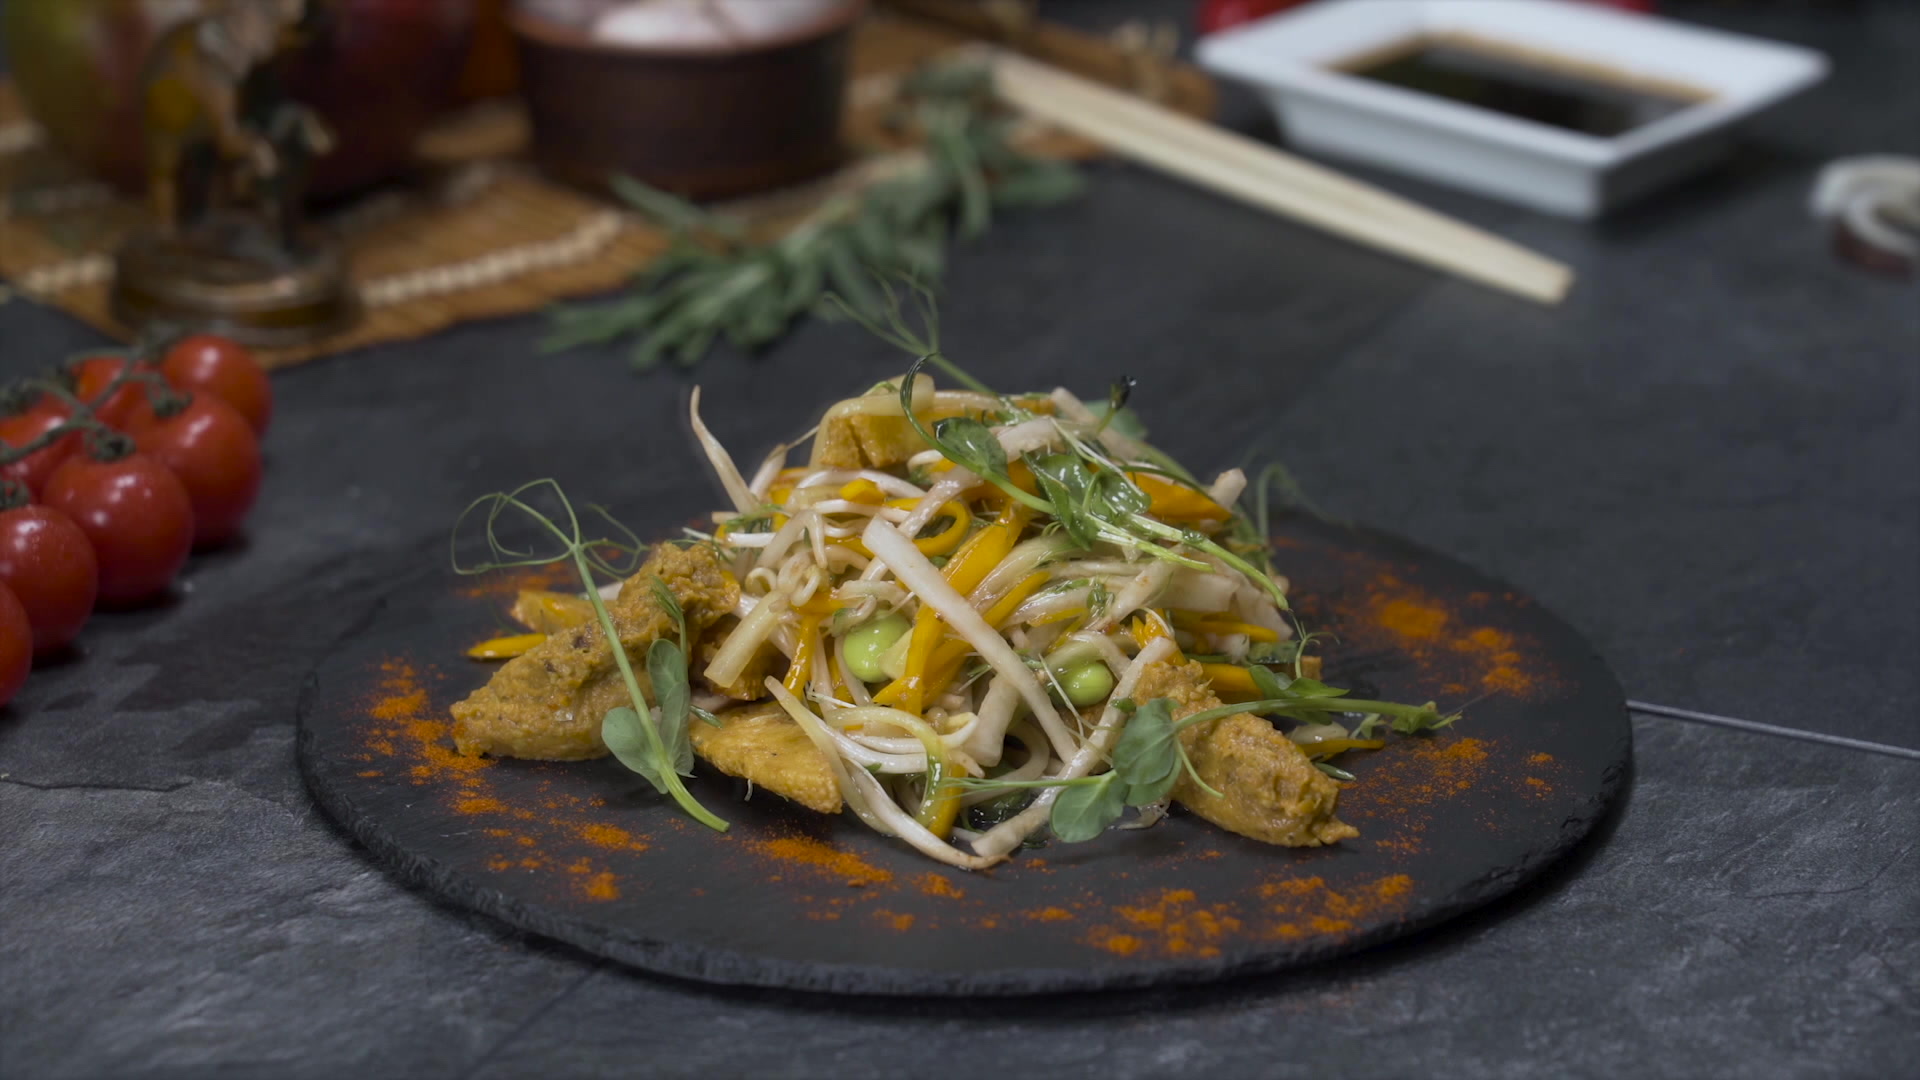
x,y
651,741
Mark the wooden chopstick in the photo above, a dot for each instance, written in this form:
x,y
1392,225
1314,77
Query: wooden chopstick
x,y
1263,176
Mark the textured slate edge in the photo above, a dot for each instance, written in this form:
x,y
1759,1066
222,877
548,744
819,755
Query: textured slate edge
x,y
726,967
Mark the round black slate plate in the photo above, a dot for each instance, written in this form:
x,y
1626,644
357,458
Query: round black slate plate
x,y
585,853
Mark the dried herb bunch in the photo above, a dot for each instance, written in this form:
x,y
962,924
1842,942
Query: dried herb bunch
x,y
714,281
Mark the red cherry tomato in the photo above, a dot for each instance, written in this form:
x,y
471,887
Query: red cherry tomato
x,y
225,369
91,378
136,514
16,646
1217,15
210,447
49,564
22,428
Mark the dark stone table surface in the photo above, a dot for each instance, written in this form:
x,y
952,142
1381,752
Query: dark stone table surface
x,y
1708,459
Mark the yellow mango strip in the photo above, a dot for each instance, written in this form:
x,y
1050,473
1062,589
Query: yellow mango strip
x,y
505,648
1231,683
1003,607
801,670
1177,502
1327,748
1213,623
863,491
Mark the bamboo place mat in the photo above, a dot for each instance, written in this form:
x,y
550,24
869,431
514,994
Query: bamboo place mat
x,y
475,233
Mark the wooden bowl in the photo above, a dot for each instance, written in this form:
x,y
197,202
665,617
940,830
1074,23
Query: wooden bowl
x,y
705,123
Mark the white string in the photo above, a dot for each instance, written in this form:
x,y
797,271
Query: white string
x,y
17,137
583,242
1773,729
62,276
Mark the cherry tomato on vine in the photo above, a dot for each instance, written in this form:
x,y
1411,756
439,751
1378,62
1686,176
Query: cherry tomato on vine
x,y
50,566
92,376
212,449
16,650
22,428
136,514
227,370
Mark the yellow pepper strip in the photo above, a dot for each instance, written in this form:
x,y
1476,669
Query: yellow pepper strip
x,y
941,808
1059,616
1002,608
968,567
1232,683
1327,748
944,667
908,692
944,542
801,670
984,549
1147,625
778,494
546,612
505,648
820,603
1214,623
1177,502
863,491
839,677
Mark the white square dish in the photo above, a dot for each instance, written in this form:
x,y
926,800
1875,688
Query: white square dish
x,y
1295,58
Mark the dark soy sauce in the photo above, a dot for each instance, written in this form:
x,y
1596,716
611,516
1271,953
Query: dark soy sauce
x,y
1573,96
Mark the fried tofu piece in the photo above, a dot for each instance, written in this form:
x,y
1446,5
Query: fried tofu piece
x,y
547,703
760,743
1269,791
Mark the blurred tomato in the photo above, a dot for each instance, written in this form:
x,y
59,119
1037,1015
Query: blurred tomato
x,y
137,516
1217,15
49,564
22,428
211,448
225,369
92,376
16,649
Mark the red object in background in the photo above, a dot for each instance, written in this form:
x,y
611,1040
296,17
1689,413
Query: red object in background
x,y
211,448
22,428
1217,15
137,516
50,566
16,656
92,376
225,369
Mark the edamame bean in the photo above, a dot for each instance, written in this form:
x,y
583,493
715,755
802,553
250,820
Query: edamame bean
x,y
869,641
1087,684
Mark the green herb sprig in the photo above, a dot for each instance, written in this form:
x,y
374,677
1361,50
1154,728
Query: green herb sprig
x,y
715,282
651,741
